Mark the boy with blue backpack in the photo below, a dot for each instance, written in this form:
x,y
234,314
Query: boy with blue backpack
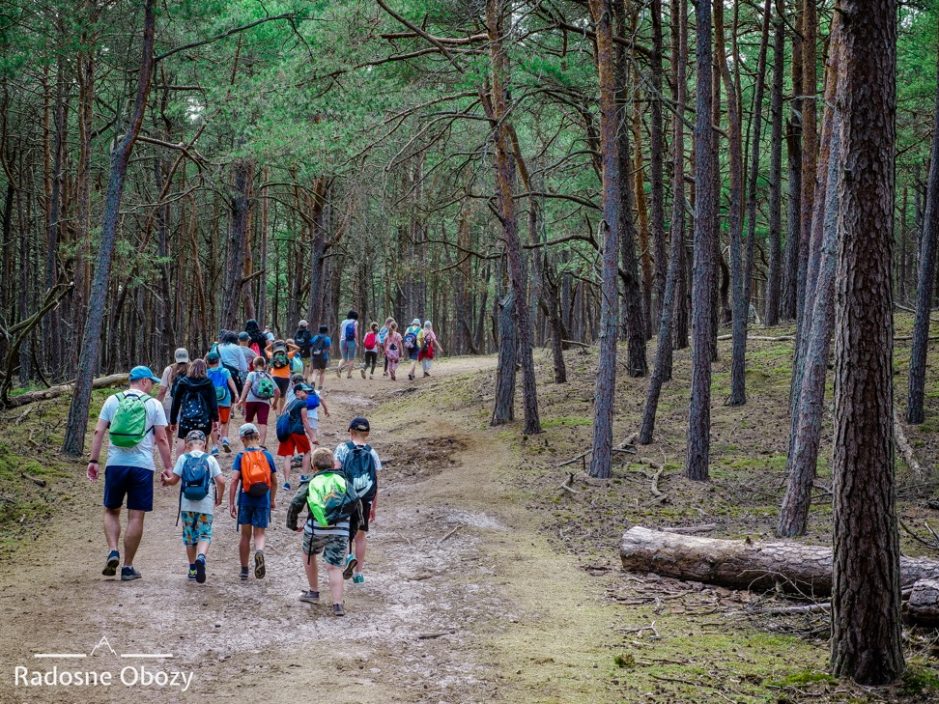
x,y
361,464
202,488
225,391
294,433
331,500
348,339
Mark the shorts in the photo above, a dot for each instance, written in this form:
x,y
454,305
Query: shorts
x,y
135,482
314,421
334,547
319,363
224,414
259,410
197,527
347,347
412,354
257,516
296,444
185,429
359,521
283,383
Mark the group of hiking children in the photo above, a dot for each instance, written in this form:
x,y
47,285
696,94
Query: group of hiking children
x,y
339,489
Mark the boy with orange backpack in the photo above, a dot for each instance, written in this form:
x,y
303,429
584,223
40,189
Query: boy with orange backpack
x,y
253,471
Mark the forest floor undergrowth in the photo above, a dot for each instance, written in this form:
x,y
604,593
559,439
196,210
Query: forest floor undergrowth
x,y
486,581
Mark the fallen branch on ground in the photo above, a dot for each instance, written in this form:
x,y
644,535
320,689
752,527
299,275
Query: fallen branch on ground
x,y
905,448
55,391
453,531
35,480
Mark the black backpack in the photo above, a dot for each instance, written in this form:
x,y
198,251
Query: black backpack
x,y
302,338
359,467
194,411
318,347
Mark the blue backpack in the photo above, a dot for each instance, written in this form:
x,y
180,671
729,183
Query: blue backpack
x,y
194,481
350,330
312,401
219,381
359,466
289,422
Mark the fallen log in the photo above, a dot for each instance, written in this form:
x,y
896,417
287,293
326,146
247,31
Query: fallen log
x,y
744,564
55,391
740,564
923,604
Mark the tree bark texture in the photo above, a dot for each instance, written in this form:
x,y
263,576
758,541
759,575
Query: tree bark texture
x,y
774,273
656,164
97,304
865,643
699,413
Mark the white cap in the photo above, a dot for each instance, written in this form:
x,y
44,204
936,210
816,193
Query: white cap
x,y
248,429
182,355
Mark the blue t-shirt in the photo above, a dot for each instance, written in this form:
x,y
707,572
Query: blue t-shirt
x,y
247,500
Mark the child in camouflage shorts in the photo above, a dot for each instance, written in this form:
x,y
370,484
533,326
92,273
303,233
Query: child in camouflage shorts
x,y
329,540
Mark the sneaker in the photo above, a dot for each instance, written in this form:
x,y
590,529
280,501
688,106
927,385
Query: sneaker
x,y
244,573
110,567
411,377
339,372
286,486
426,374
351,562
214,452
384,373
393,377
191,573
304,478
226,445
362,371
259,569
358,578
349,375
310,597
200,569
129,574
339,610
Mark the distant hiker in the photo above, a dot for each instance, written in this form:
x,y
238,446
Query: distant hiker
x,y
348,339
279,354
370,345
258,338
294,432
253,473
225,392
411,345
313,403
361,465
233,359
256,397
203,487
171,375
427,342
134,422
393,347
319,355
303,338
382,336
244,342
195,405
329,499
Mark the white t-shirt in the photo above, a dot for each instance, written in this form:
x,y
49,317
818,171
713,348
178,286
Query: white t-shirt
x,y
343,450
141,455
342,328
206,505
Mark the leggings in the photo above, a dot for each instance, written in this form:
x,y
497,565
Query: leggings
x,y
371,357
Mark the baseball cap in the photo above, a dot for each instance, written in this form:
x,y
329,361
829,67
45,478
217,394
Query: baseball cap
x,y
195,436
303,323
247,429
182,355
359,423
142,372
243,335
212,357
303,387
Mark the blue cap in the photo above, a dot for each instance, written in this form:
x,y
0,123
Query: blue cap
x,y
141,372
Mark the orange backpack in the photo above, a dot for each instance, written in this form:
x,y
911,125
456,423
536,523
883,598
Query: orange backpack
x,y
255,473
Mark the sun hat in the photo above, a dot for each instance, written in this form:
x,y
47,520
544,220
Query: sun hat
x,y
140,373
416,321
182,354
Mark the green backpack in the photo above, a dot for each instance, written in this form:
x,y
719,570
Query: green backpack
x,y
129,424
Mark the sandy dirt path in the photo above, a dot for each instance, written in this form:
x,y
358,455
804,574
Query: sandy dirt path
x,y
457,604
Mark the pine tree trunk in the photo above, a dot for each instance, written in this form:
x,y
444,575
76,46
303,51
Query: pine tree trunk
x,y
503,410
656,164
699,414
91,339
774,273
600,462
794,166
925,283
662,371
865,643
243,173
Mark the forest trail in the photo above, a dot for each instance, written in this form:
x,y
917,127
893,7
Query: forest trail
x,y
454,608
